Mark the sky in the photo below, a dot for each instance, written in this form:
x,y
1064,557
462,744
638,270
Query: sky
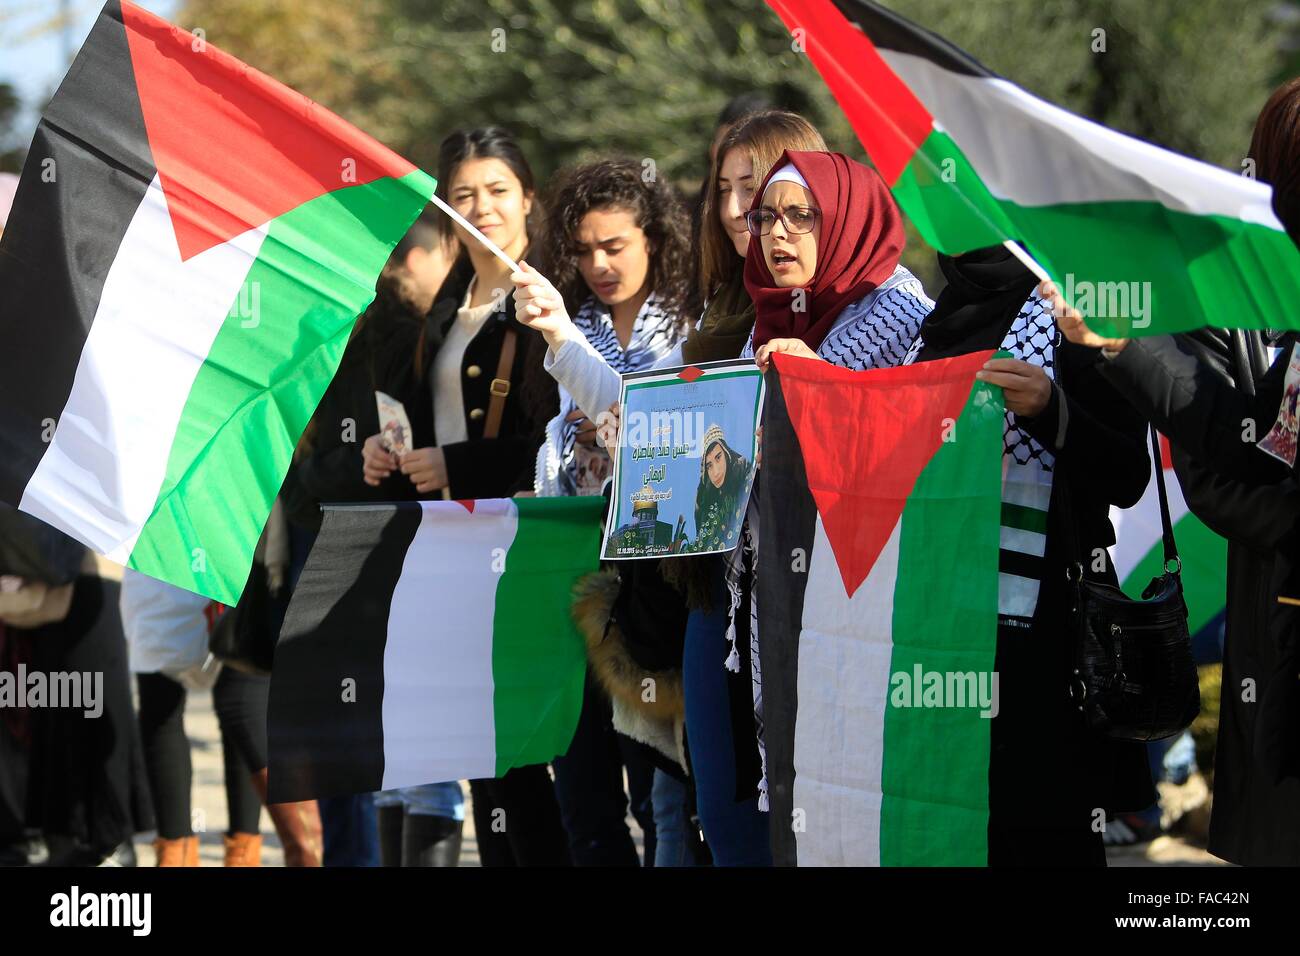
x,y
33,59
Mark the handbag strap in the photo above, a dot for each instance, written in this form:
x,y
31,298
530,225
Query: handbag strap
x,y
1061,492
500,386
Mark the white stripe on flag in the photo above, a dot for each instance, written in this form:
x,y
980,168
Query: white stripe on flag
x,y
1037,154
845,657
1137,529
155,324
438,717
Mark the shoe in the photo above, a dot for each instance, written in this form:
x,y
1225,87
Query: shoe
x,y
297,824
429,840
121,855
243,849
183,851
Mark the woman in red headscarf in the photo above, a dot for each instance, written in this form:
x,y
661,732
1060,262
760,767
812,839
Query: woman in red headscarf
x,y
824,274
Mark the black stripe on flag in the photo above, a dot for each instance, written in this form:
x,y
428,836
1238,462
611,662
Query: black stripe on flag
x,y
85,176
889,31
319,742
785,545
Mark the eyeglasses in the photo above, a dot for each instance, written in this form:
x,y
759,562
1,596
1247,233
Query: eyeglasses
x,y
798,220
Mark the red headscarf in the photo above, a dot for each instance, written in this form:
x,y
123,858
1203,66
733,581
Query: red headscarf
x,y
861,240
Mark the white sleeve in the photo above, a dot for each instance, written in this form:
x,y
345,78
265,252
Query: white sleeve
x,y
584,374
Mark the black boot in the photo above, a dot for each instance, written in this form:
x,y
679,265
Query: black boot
x,y
431,841
390,834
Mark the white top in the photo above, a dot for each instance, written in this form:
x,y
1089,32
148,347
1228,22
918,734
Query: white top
x,y
448,399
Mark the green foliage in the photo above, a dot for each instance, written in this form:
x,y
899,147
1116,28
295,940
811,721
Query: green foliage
x,y
646,78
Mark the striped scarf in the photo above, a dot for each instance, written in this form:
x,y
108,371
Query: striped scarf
x,y
654,334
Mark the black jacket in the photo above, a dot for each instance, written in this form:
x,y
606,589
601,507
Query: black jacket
x,y
496,467
1256,817
379,357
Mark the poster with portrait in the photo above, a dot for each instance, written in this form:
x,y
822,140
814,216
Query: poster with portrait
x,y
684,465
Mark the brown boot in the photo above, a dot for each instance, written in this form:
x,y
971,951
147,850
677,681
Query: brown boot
x,y
297,824
183,851
243,849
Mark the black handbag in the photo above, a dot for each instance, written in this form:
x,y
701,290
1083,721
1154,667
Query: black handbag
x,y
1134,677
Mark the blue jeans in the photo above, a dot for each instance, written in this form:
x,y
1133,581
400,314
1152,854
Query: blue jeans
x,y
737,832
673,832
427,799
350,830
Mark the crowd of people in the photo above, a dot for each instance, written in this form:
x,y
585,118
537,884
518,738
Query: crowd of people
x,y
511,381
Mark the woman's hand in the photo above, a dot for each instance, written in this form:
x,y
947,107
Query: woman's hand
x,y
586,427
539,306
609,422
1071,323
787,346
1026,388
427,469
377,462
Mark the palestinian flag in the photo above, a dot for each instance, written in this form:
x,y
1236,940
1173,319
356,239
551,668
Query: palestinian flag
x,y
431,641
1141,240
878,610
1139,552
189,247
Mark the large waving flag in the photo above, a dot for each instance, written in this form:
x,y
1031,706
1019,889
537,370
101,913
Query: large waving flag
x,y
878,610
431,641
1141,240
188,250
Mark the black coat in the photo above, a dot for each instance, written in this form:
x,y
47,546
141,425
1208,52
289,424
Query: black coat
x,y
491,467
379,357
1197,388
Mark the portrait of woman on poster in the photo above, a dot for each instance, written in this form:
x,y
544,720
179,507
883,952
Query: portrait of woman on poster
x,y
718,502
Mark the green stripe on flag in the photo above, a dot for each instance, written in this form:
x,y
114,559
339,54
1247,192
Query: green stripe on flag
x,y
934,779
1173,272
260,384
539,661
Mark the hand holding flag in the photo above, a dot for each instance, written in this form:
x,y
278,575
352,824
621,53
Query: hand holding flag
x,y
539,305
1070,321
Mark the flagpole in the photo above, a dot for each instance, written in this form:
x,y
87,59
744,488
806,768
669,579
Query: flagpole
x,y
495,249
1028,261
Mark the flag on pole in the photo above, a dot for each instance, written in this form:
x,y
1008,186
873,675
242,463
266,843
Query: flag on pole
x,y
878,610
188,249
1141,240
431,641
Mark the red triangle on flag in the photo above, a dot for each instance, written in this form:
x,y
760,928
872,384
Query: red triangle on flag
x,y
865,438
234,148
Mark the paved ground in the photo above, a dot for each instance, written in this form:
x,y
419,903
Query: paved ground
x,y
209,805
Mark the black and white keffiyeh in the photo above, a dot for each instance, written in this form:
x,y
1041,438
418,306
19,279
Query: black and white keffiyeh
x,y
654,334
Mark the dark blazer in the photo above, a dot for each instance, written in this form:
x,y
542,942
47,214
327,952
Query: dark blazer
x,y
497,467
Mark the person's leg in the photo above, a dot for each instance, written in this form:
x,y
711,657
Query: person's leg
x,y
435,814
640,787
490,827
243,806
166,753
736,830
529,815
672,829
589,788
240,702
390,812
